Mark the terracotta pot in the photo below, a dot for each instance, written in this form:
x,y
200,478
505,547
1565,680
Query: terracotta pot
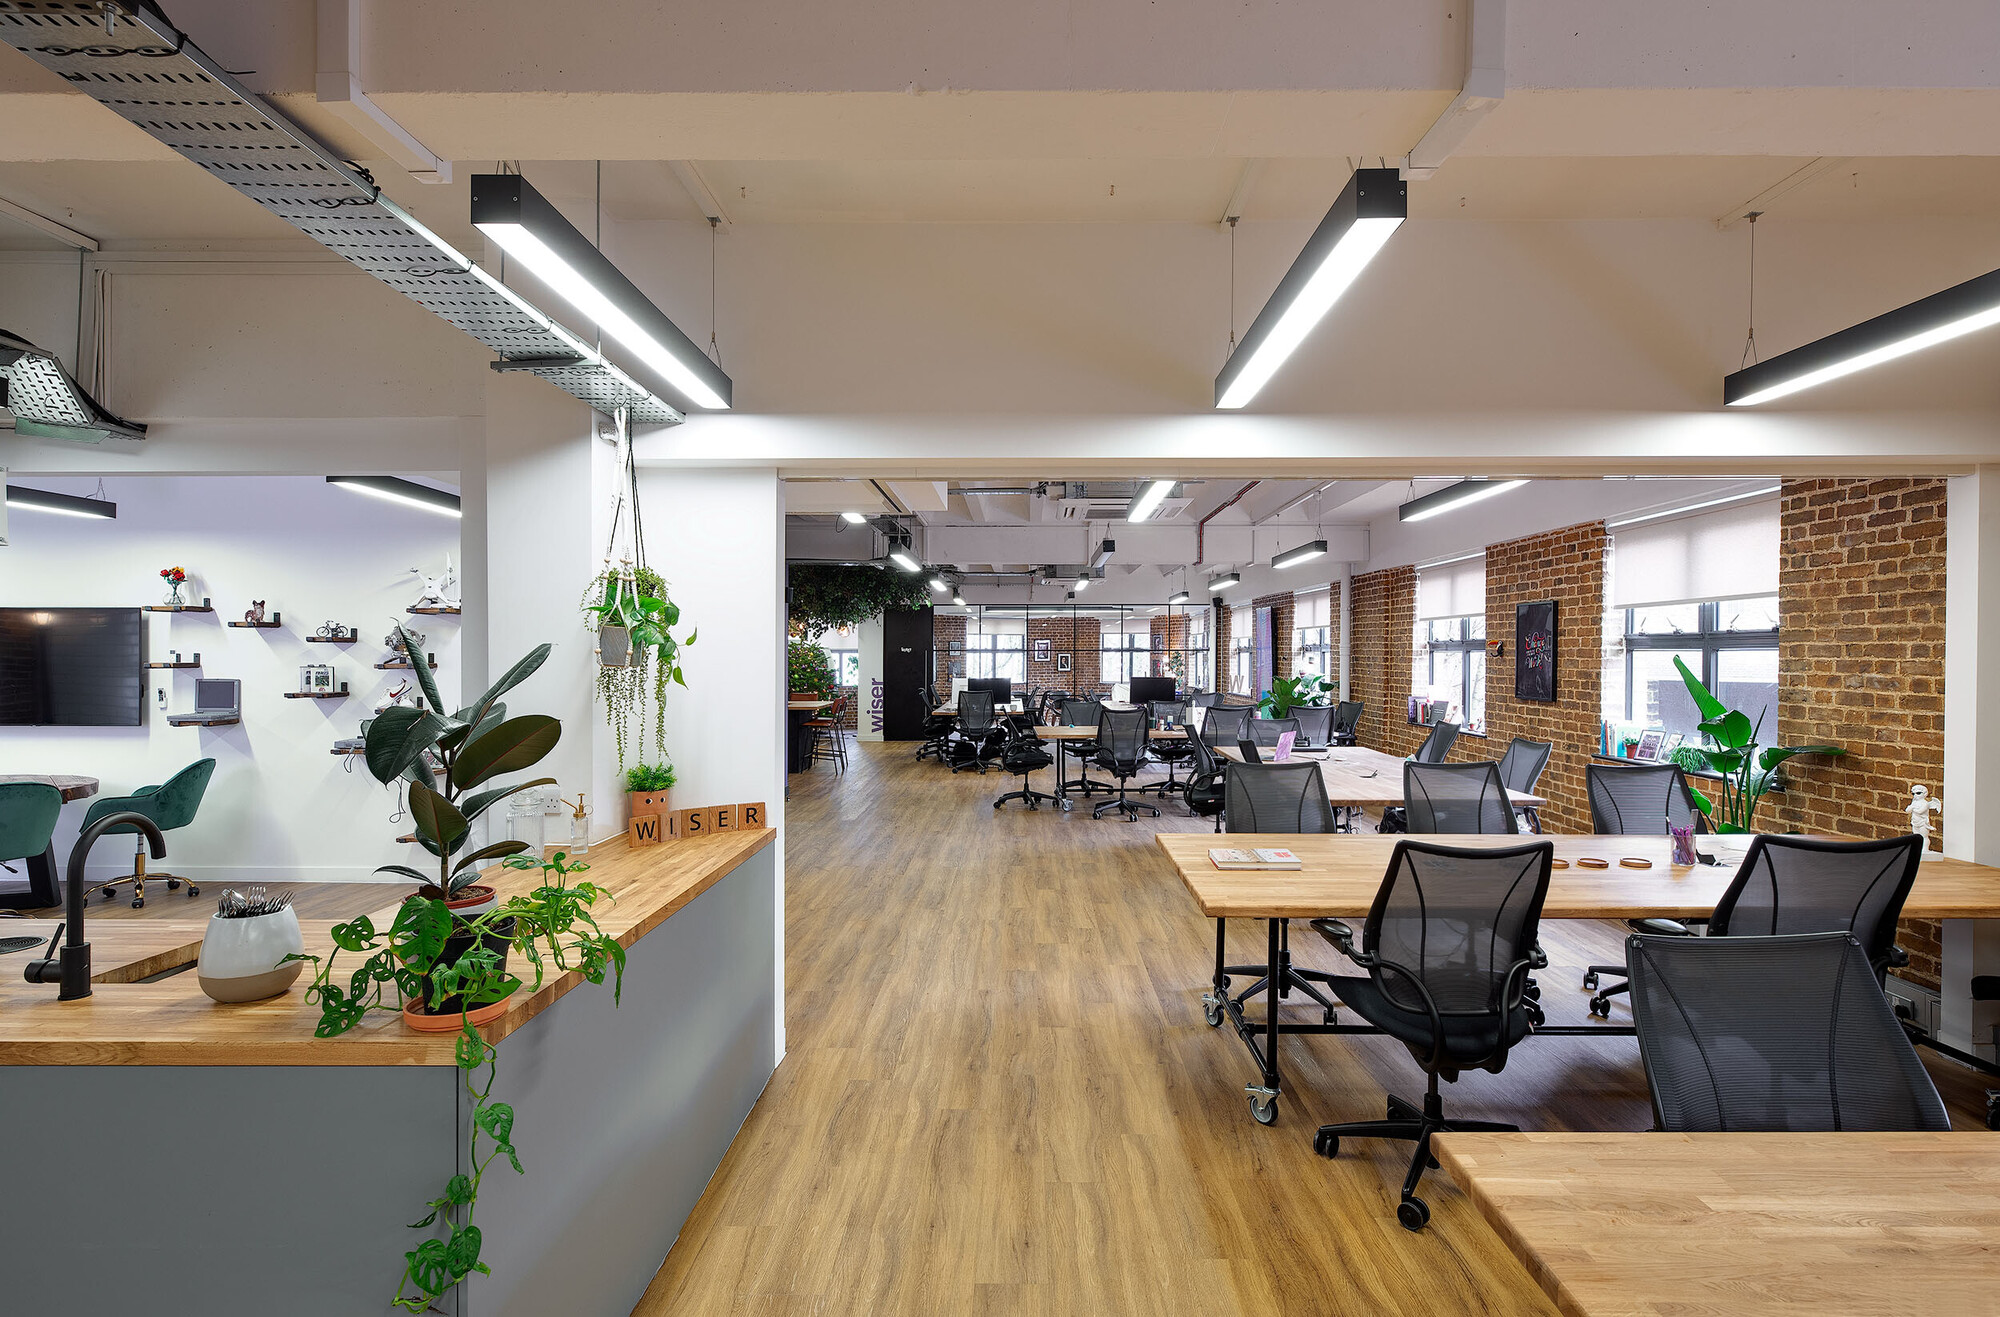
x,y
643,803
453,1021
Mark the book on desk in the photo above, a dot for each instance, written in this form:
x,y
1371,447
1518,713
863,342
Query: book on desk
x,y
1262,857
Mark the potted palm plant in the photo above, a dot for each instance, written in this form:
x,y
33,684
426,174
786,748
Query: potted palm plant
x,y
1747,768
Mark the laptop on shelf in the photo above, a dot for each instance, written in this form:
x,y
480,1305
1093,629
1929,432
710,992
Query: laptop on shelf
x,y
216,700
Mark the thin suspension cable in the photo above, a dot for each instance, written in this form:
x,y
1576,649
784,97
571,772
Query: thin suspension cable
x,y
1232,284
1750,338
714,348
597,241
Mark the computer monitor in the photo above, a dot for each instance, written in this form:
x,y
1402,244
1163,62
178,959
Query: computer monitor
x,y
1146,690
1002,687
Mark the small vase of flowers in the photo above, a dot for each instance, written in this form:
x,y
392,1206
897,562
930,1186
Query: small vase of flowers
x,y
175,578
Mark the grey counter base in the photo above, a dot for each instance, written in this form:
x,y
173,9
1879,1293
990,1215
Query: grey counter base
x,y
251,1190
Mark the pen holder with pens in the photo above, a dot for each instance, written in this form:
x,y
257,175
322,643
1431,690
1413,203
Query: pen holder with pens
x,y
1683,844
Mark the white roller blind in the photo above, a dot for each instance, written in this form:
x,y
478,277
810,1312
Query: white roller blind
x,y
1240,625
1457,589
1730,553
1311,609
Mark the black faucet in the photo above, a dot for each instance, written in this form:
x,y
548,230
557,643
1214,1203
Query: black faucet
x,y
72,968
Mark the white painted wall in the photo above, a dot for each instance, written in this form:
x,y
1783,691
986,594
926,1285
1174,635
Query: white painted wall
x,y
1971,789
280,806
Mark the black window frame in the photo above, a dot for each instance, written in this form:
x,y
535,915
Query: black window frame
x,y
1709,638
1467,645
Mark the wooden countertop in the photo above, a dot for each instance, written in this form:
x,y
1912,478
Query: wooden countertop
x,y
1637,1224
172,1023
1341,873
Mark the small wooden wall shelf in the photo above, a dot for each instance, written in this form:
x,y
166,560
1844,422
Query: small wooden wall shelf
x,y
276,620
191,720
349,750
340,694
433,610
205,606
347,639
194,663
400,665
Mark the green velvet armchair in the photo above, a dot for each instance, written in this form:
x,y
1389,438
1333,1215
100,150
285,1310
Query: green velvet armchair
x,y
28,813
171,804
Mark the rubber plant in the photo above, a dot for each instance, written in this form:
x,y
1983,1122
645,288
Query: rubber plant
x,y
1747,771
1307,691
553,928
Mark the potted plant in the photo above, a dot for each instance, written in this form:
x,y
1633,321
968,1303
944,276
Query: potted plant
x,y
467,749
1308,691
637,651
428,954
808,670
1733,752
646,788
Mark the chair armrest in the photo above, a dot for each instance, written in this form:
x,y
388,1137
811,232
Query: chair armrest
x,y
1341,936
1986,987
147,791
1898,958
1661,927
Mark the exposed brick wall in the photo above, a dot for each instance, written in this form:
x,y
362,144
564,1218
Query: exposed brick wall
x,y
947,629
1282,608
1077,637
1567,566
1384,618
1221,640
1861,593
1169,634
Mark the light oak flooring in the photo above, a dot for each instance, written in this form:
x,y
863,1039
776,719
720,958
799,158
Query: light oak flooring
x,y
1000,1098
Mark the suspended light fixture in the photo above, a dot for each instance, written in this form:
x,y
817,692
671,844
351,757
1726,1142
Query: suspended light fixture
x,y
958,599
854,518
903,560
65,505
1369,209
1304,553
1147,501
1224,581
1103,554
1178,597
407,492
531,230
1082,583
1939,318
938,584
1453,497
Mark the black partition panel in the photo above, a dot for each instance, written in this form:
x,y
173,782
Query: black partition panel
x,y
906,666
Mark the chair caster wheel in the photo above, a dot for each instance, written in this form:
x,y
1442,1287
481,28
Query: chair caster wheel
x,y
1211,1010
1264,1108
173,884
193,890
138,903
1590,981
1326,1145
1413,1213
109,893
1601,1006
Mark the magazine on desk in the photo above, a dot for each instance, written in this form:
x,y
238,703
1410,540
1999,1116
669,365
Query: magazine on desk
x,y
1262,857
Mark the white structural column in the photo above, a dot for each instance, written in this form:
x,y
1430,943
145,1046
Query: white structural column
x,y
1972,743
1346,587
718,539
539,488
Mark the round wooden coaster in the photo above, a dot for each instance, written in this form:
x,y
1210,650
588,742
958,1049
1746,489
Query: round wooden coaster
x,y
1634,862
1559,864
1592,862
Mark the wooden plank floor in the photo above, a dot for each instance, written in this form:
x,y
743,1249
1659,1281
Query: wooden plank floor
x,y
1000,1097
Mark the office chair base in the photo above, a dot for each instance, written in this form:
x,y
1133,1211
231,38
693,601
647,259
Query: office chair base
x,y
1600,1005
1087,785
1129,808
1034,798
1407,1121
138,878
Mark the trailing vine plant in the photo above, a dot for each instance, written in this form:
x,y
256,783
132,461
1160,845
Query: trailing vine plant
x,y
827,598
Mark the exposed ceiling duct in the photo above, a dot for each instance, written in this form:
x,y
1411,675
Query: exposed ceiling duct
x,y
131,60
47,403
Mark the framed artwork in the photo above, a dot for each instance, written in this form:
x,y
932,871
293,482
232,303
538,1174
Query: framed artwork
x,y
1535,651
1062,663
1651,742
1042,651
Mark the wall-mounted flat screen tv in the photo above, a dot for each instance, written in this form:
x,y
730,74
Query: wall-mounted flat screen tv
x,y
72,667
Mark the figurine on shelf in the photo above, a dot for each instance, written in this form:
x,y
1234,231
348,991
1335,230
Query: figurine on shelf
x,y
440,591
1922,805
175,578
255,612
417,640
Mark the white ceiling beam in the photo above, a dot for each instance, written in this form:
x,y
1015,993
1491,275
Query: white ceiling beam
x,y
1240,198
1791,182
1485,87
689,176
337,86
60,232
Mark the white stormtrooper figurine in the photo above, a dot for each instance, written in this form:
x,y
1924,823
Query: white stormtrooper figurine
x,y
1922,805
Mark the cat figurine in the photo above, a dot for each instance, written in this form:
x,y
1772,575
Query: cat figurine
x,y
254,613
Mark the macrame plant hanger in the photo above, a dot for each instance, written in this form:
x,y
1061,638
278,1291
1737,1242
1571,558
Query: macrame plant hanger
x,y
623,581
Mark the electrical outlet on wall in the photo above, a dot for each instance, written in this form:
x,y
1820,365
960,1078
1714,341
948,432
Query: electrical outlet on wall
x,y
160,694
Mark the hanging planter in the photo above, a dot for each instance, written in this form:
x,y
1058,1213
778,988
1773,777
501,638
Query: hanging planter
x,y
614,647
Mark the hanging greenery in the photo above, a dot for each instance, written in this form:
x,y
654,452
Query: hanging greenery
x,y
829,598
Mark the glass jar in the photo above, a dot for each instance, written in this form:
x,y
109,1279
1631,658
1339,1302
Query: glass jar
x,y
524,824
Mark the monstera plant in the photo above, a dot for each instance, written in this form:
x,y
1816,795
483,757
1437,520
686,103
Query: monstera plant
x,y
467,749
1302,692
1747,768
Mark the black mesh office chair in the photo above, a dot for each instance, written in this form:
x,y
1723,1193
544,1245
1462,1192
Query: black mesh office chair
x,y
1022,754
1121,752
1448,945
1521,770
1456,798
1815,885
1203,790
1784,1033
1273,798
1203,699
1266,731
1223,724
936,731
1346,718
1171,751
1315,725
1083,713
977,738
1049,707
1639,800
1438,744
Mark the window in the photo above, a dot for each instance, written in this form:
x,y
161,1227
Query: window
x,y
995,655
1731,644
1241,646
1313,657
1312,641
1454,668
843,647
1123,656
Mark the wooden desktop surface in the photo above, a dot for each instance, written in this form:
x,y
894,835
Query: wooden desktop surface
x,y
1341,873
807,706
171,1022
1356,775
1646,1224
71,786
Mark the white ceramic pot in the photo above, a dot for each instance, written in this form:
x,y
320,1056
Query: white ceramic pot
x,y
243,959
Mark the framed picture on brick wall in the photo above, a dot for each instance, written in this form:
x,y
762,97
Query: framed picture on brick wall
x,y
1535,651
1042,651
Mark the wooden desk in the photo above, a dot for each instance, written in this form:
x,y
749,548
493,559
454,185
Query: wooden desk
x,y
72,787
42,888
1357,776
1746,1224
121,950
